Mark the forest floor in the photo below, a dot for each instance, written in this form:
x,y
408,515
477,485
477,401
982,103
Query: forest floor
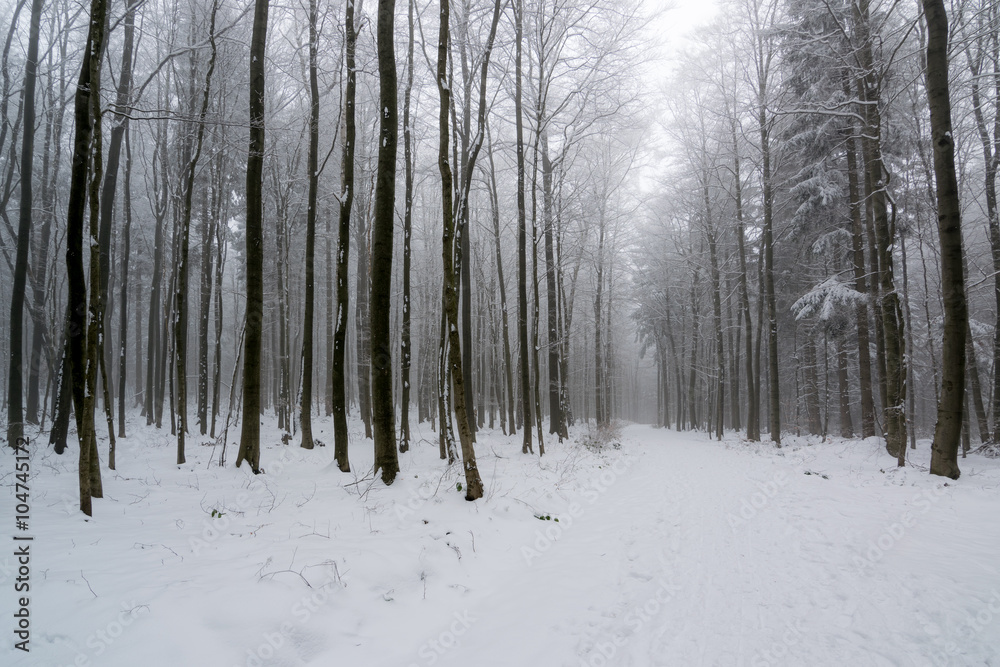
x,y
660,548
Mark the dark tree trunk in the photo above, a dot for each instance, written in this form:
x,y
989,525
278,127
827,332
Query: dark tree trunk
x,y
522,234
362,319
892,325
600,400
404,346
41,336
844,390
86,106
720,361
220,246
508,365
474,485
312,167
208,222
557,421
767,240
250,435
107,203
811,385
123,296
860,284
15,399
984,41
339,375
383,412
753,400
154,376
944,451
181,295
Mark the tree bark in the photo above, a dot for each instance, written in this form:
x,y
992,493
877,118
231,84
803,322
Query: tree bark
x,y
86,116
522,241
944,451
312,167
181,295
383,412
404,346
473,482
15,399
338,385
860,283
250,433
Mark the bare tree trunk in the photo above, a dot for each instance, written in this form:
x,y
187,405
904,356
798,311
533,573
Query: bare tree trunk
x,y
250,434
720,360
944,451
124,294
753,399
774,387
220,246
844,390
312,167
404,347
15,399
984,41
508,366
339,388
86,114
892,325
180,297
600,400
557,421
107,203
154,376
860,284
383,413
41,334
811,385
450,246
205,299
522,240
693,366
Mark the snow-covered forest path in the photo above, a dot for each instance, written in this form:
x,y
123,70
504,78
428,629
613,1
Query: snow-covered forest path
x,y
697,554
668,550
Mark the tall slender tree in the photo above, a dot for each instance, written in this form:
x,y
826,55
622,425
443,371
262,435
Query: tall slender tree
x,y
404,344
522,234
181,295
451,247
250,435
86,114
383,414
944,451
339,366
312,167
15,399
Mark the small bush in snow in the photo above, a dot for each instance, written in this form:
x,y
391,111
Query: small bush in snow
x,y
599,438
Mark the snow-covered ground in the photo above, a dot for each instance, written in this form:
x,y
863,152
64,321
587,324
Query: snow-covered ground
x,y
669,550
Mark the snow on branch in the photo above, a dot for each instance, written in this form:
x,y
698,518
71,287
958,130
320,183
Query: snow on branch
x,y
823,299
